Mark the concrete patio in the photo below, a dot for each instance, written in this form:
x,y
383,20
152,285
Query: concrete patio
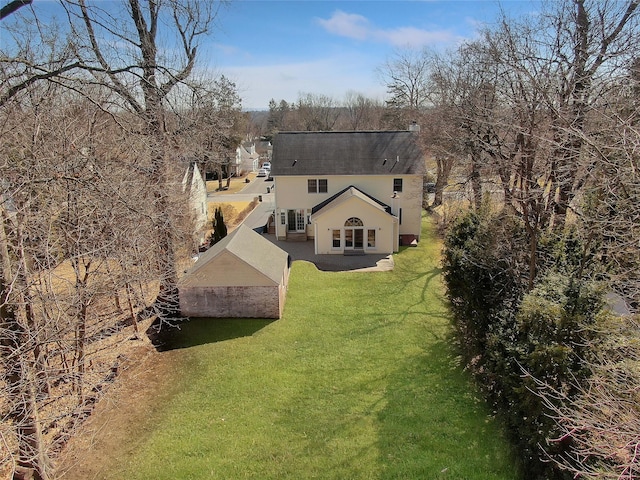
x,y
333,263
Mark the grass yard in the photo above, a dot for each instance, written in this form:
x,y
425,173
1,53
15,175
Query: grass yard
x,y
358,380
235,186
231,211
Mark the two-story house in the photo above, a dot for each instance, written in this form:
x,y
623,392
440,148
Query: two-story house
x,y
351,192
247,159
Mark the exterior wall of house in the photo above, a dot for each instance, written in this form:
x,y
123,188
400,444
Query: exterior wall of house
x,y
232,290
197,202
291,193
247,159
381,240
232,301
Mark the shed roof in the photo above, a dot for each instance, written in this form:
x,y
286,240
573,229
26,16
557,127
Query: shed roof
x,y
249,247
347,153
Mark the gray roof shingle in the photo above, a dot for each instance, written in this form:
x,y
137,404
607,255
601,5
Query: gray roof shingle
x,y
347,153
249,247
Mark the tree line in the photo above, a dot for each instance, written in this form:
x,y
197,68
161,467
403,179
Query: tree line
x,y
534,131
100,116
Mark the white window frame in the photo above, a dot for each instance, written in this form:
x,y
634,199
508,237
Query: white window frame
x,y
317,185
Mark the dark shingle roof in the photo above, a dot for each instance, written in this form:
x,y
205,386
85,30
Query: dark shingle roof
x,y
347,153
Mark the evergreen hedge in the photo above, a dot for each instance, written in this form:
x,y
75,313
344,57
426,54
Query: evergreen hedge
x,y
526,347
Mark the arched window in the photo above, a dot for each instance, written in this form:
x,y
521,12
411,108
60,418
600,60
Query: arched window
x,y
354,222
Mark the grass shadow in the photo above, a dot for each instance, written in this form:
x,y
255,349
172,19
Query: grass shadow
x,y
200,331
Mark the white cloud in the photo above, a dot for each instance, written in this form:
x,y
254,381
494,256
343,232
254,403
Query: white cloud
x,y
358,27
348,25
226,49
415,37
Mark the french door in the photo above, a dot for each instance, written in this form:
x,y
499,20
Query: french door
x,y
296,220
354,238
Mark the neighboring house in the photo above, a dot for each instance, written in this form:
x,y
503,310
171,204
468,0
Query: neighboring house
x,y
247,159
265,150
352,192
194,185
244,275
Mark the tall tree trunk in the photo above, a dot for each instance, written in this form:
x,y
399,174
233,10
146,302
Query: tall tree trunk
x,y
443,166
167,300
476,185
33,462
21,377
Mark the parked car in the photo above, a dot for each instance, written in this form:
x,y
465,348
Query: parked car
x,y
267,166
262,172
429,187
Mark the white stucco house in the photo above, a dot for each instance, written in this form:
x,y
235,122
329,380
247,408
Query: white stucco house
x,y
196,188
350,192
247,159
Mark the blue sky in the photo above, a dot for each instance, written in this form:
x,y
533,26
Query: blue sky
x,y
281,48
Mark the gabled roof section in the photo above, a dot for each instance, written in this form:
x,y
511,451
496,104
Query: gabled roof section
x,y
190,178
352,191
347,153
250,247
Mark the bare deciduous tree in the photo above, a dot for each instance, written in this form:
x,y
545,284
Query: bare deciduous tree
x,y
93,215
362,113
316,112
406,76
142,76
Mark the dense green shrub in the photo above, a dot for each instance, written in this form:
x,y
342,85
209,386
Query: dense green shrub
x,y
522,344
482,271
542,357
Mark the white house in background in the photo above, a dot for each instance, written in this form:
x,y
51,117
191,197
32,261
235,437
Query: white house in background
x,y
194,185
247,159
351,192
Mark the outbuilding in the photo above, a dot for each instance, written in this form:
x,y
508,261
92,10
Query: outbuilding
x,y
242,276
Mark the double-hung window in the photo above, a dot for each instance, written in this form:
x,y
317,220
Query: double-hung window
x,y
397,185
312,185
317,185
336,239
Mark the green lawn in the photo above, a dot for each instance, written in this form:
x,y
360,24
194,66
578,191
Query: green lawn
x,y
358,380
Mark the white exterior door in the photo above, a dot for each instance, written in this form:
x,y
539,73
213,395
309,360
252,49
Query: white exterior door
x,y
353,234
296,221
